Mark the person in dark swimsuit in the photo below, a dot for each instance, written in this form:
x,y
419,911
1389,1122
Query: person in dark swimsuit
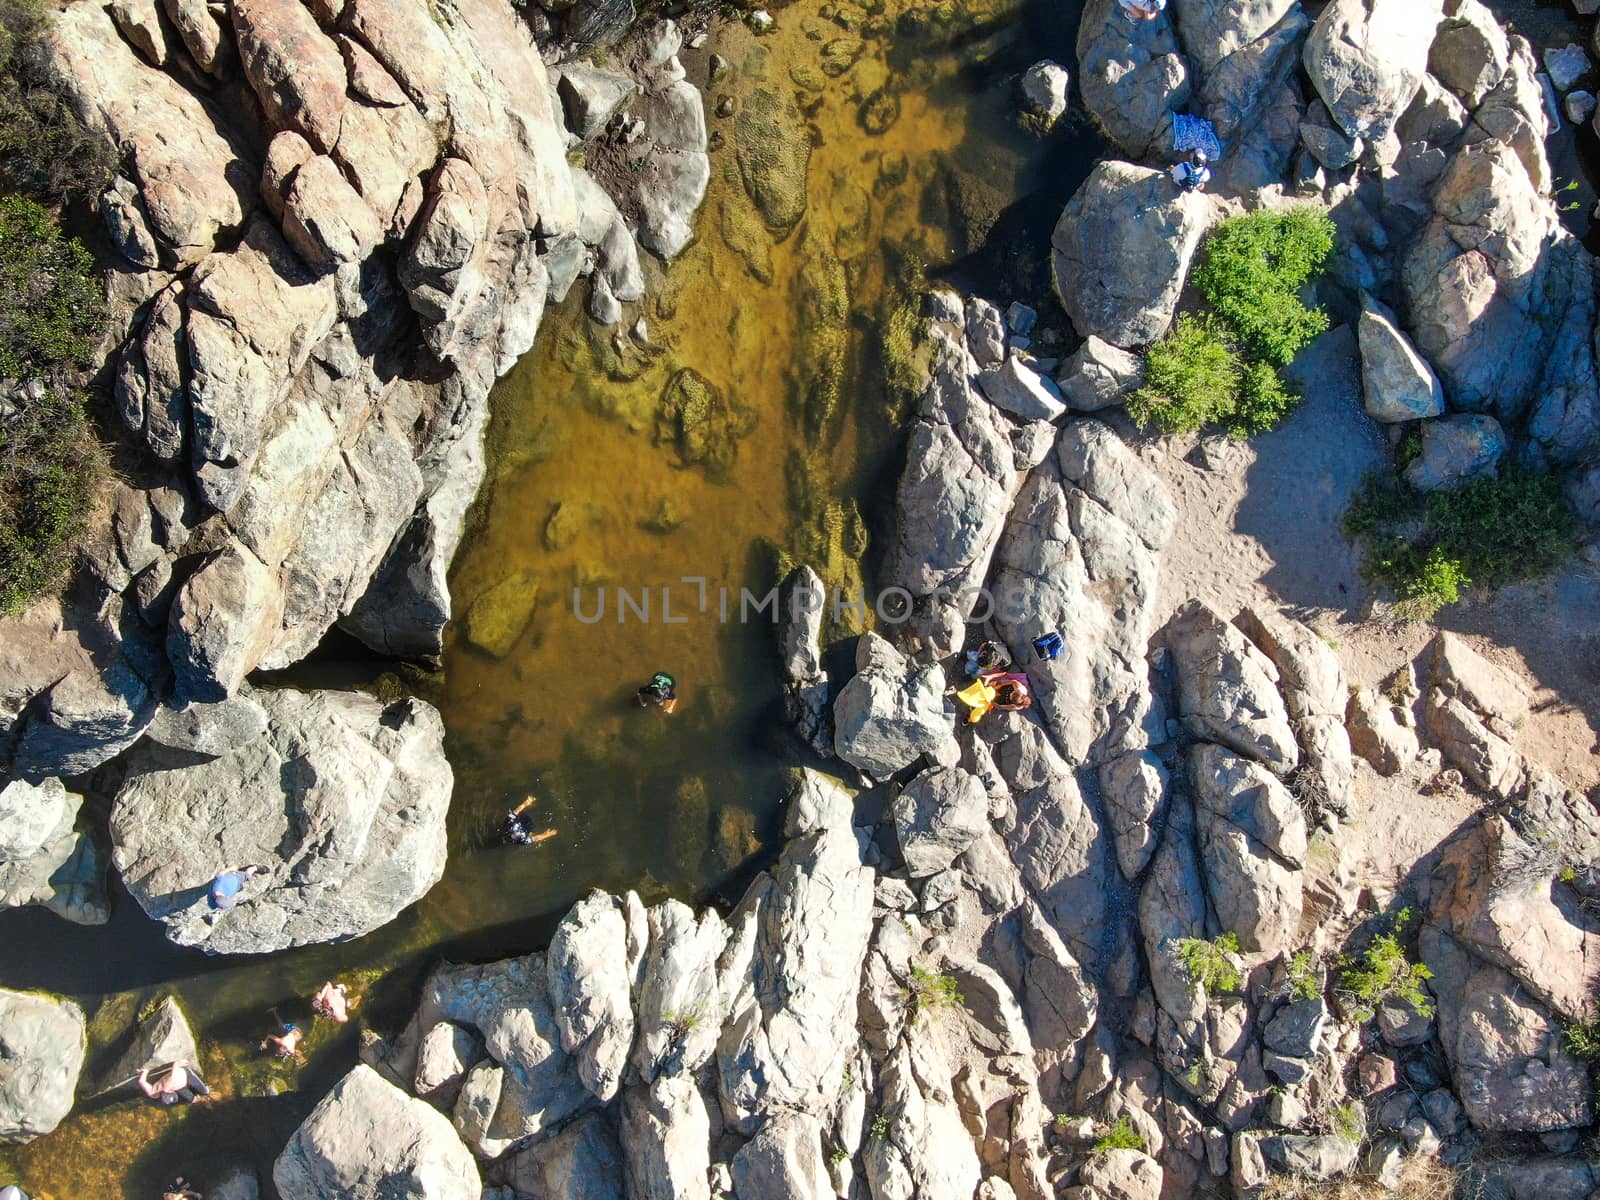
x,y
517,828
662,691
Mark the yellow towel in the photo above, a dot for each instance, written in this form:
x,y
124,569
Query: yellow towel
x,y
979,697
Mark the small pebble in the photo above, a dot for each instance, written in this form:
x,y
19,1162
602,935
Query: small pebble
x,y
761,20
724,106
1580,106
717,66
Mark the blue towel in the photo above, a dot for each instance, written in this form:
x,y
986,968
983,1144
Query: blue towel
x,y
1195,133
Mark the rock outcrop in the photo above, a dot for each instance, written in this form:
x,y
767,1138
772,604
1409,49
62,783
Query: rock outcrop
x,y
1121,252
368,1140
341,800
42,1045
44,859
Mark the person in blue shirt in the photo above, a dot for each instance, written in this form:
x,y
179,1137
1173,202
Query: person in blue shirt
x,y
1193,174
1143,10
229,885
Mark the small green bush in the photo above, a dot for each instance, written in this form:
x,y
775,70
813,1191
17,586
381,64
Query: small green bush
x,y
1191,378
1263,401
880,1128
1426,547
44,149
51,309
1252,270
1349,1122
1582,1040
1384,972
1304,983
1207,963
930,990
1121,1136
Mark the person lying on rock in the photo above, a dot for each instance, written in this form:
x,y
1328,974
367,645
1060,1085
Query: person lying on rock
x,y
332,1002
181,1189
180,1082
228,886
1011,693
286,1044
1143,10
990,656
517,828
1192,174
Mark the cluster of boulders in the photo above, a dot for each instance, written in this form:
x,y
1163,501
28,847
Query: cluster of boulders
x,y
958,982
333,228
1422,131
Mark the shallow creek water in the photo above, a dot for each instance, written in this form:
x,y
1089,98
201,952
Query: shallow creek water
x,y
793,339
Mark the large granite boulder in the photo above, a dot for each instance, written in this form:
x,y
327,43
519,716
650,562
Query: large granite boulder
x,y
42,1045
162,1037
341,798
582,1162
891,714
1133,788
1121,252
666,1135
368,1140
295,69
1397,383
1455,450
44,859
803,937
783,1161
1470,52
1227,689
1253,844
590,985
1132,75
1366,58
937,816
1080,556
674,168
222,624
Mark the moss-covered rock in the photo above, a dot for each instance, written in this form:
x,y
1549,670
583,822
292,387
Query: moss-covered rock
x,y
702,424
746,236
498,615
822,310
773,147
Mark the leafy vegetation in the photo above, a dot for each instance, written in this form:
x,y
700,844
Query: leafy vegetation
x,y
1223,367
930,990
1385,972
1582,1040
1121,1136
1207,963
1252,270
1426,547
1349,1122
1304,982
880,1128
44,149
50,462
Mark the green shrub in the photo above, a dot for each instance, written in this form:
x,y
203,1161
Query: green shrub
x,y
1304,983
1121,1136
1349,1122
44,149
1191,378
1252,270
1263,401
1384,972
1207,963
931,990
1582,1040
54,307
880,1128
50,462
1426,547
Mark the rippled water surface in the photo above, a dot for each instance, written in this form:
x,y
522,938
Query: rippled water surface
x,y
791,343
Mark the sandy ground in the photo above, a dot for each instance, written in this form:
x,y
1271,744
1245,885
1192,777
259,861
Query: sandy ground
x,y
1259,524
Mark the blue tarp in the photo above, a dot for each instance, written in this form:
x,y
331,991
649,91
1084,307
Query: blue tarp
x,y
1195,133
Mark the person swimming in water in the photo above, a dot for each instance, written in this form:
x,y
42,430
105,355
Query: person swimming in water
x,y
332,1002
285,1044
517,828
179,1083
661,691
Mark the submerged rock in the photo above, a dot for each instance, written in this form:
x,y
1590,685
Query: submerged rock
x,y
42,1044
342,799
773,149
